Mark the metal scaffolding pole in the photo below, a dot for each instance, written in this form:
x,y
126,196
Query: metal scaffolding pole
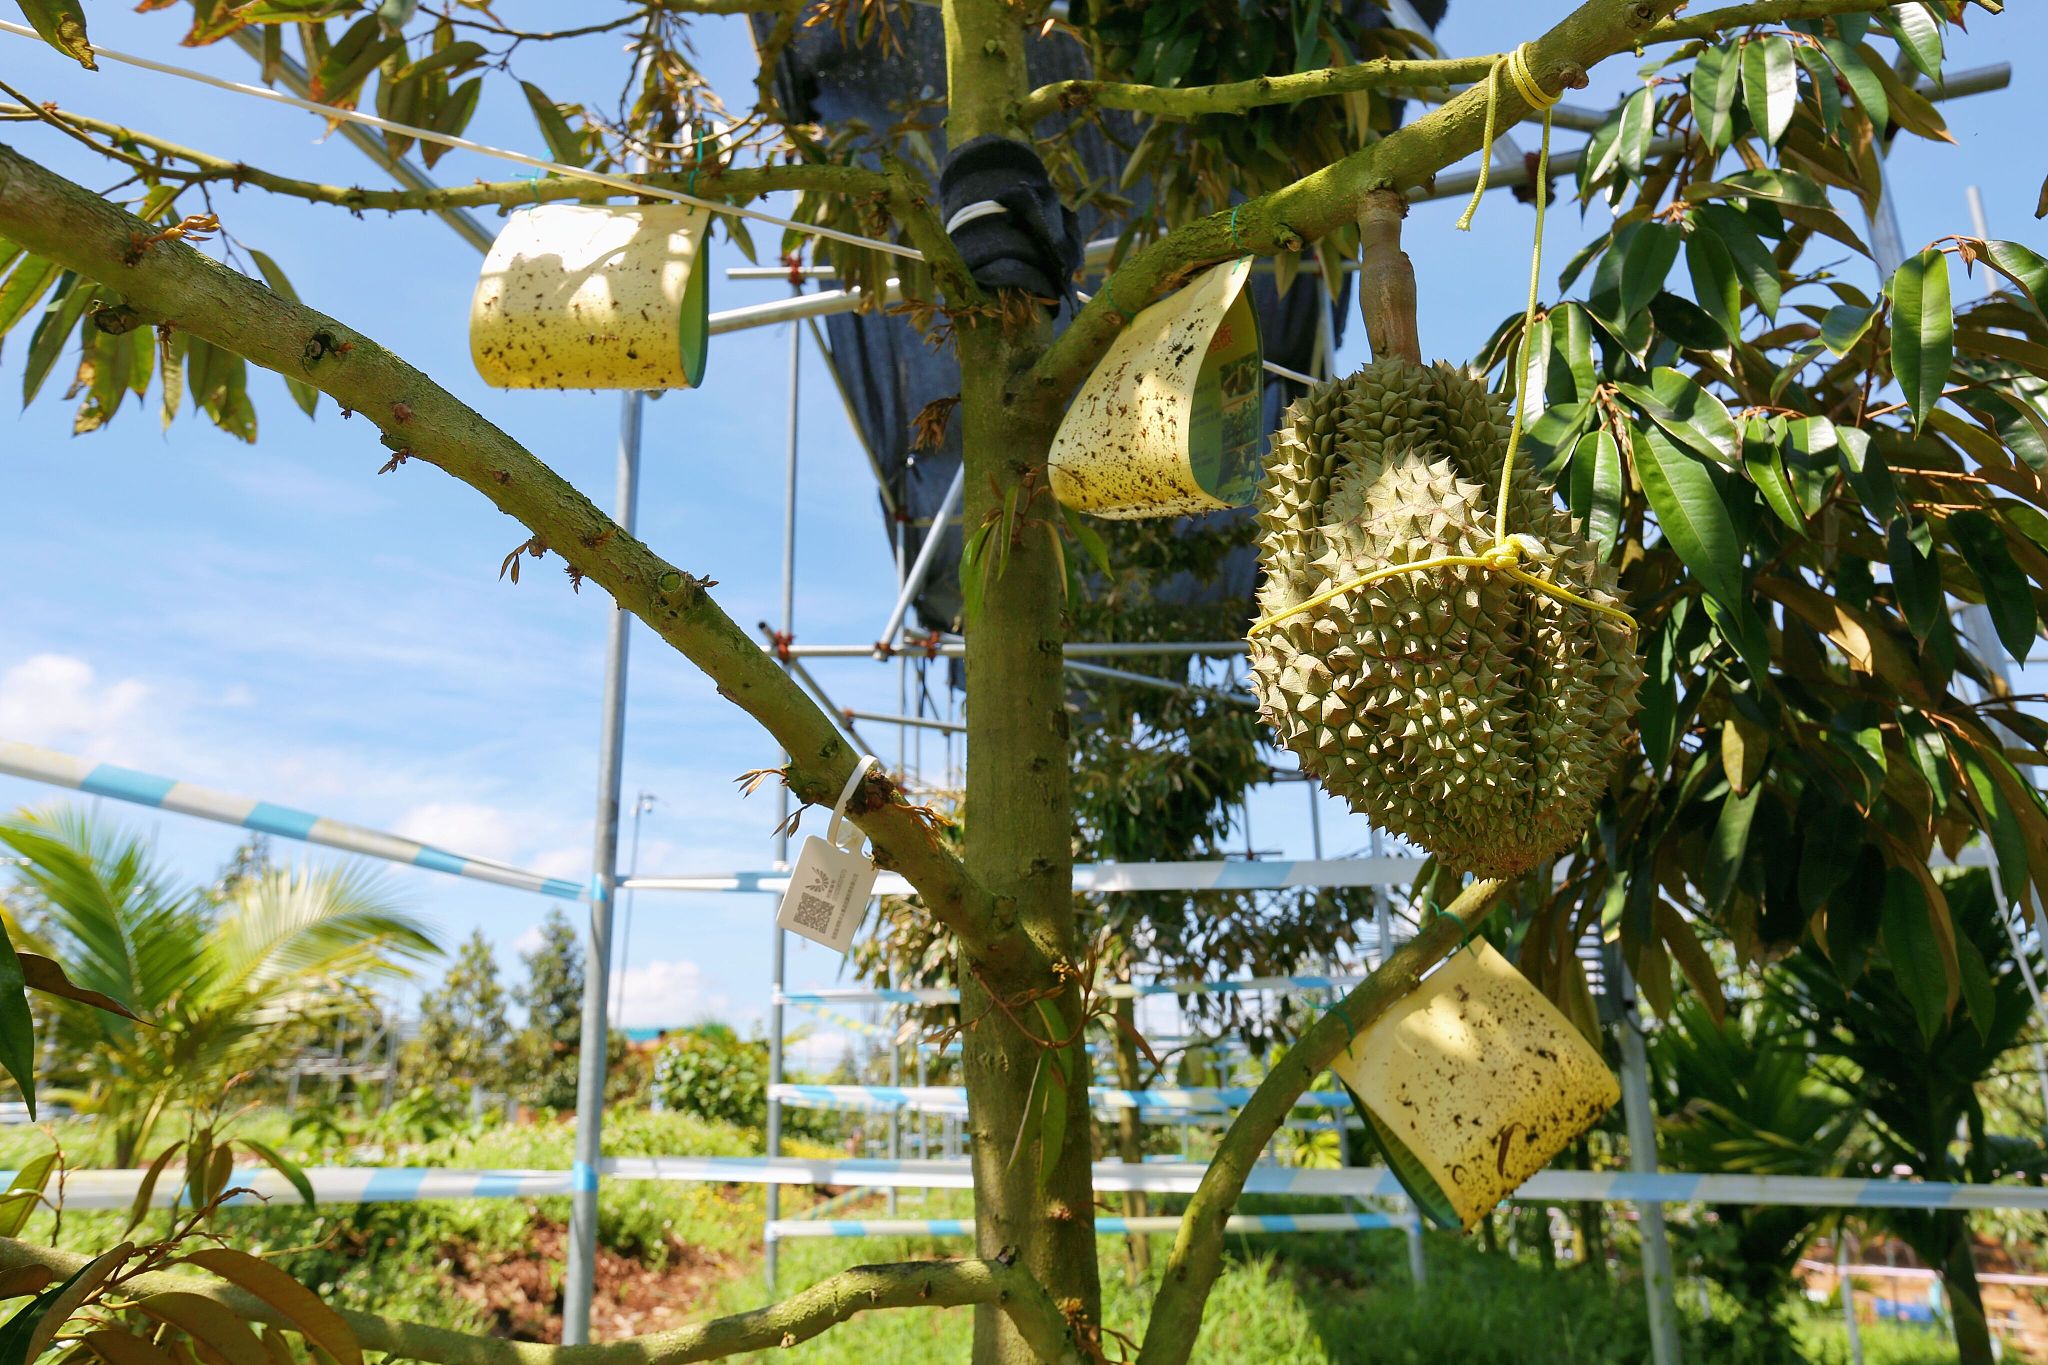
x,y
1383,921
1642,1157
580,1278
926,552
778,956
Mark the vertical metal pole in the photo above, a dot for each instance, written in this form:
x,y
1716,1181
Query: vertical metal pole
x,y
1383,920
580,1278
895,1114
641,801
1850,1326
778,956
1642,1157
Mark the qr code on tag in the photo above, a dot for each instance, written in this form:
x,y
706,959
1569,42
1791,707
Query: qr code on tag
x,y
814,912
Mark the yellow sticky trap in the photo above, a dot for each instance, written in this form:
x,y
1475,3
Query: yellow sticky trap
x,y
1472,1083
581,296
1172,421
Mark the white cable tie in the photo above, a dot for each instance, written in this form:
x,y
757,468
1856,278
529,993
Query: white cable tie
x,y
860,770
618,183
980,208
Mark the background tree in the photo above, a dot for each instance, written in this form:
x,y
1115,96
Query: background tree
x,y
463,1034
225,988
552,996
1792,541
1918,1070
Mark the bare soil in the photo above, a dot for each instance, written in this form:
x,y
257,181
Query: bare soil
x,y
521,1293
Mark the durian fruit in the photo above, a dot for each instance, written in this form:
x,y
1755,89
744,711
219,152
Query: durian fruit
x,y
1473,714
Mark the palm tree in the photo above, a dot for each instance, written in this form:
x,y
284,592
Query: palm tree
x,y
224,988
1915,1067
1740,1097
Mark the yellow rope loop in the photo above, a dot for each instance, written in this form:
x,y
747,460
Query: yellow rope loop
x,y
1507,552
1520,75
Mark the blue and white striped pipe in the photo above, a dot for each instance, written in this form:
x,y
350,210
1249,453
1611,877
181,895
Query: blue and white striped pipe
x,y
1104,878
88,1189
952,1099
1285,985
163,793
1105,1226
1666,1187
845,1021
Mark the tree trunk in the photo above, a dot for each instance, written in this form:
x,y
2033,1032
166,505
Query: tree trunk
x,y
1019,843
1130,1134
1965,1299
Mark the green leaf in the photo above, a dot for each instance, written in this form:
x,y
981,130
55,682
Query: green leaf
x,y
2024,432
1728,846
1822,78
1867,88
1781,187
1923,331
1753,260
1918,35
25,1193
17,1025
1638,121
1844,326
62,25
1979,998
2023,268
1770,85
2007,594
284,1166
1910,109
1572,335
1089,539
1651,252
1765,468
1598,489
1714,78
563,144
1688,414
1912,950
53,329
1714,281
1864,466
30,279
1916,581
1691,514
304,394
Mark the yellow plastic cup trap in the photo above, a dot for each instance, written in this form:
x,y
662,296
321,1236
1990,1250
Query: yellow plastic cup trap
x,y
594,296
1472,1083
1172,421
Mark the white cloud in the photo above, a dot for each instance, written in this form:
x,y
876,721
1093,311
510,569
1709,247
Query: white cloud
x,y
470,828
529,942
818,1054
59,700
666,993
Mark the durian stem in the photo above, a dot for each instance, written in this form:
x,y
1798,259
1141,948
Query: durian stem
x,y
1386,278
1198,1249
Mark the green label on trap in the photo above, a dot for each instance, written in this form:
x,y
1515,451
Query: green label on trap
x,y
1227,429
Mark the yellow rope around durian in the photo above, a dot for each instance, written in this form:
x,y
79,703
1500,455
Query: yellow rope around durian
x,y
1507,551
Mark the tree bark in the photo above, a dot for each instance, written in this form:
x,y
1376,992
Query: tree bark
x,y
1965,1297
1130,1133
1019,808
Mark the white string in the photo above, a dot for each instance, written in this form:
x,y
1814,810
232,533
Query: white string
x,y
619,183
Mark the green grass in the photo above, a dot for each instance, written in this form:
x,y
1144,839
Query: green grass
x,y
1311,1300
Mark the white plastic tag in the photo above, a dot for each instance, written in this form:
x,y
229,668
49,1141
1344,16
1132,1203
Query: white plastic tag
x,y
830,885
828,894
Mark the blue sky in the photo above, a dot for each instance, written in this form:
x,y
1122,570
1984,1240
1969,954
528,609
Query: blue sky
x,y
281,622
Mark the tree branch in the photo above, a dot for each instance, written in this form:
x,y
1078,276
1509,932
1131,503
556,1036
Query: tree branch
x,y
1715,21
739,184
172,285
908,1284
1198,1248
1238,96
1313,206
